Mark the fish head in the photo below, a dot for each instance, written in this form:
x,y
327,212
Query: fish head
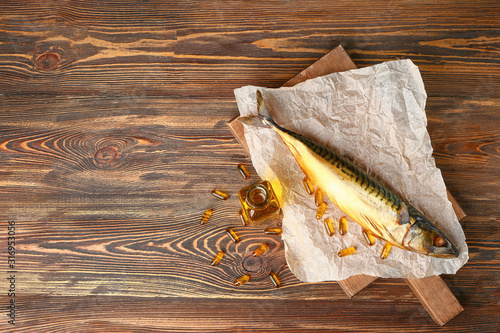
x,y
423,237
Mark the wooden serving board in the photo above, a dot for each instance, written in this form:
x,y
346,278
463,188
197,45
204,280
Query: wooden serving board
x,y
432,292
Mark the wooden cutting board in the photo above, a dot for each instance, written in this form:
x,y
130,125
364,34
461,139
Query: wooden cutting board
x,y
432,292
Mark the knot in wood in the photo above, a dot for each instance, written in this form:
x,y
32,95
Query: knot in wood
x,y
47,61
105,155
252,264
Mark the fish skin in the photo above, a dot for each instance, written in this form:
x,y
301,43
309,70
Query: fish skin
x,y
376,208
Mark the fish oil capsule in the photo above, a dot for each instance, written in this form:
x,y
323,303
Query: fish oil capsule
x,y
218,257
343,226
347,252
330,230
368,237
232,235
308,185
242,279
206,216
260,250
318,197
243,171
274,279
273,231
321,211
385,251
220,195
243,220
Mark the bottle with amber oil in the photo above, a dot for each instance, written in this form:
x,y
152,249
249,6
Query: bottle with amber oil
x,y
259,202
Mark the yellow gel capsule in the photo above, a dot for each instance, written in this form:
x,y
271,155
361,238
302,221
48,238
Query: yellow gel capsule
x,y
330,230
321,211
218,257
308,185
347,252
260,250
243,171
273,231
343,226
206,216
242,279
274,279
318,197
368,237
232,235
243,220
385,251
220,195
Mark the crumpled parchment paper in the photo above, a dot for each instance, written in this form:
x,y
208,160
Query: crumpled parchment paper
x,y
375,116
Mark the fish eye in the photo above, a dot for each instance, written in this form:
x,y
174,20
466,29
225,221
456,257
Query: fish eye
x,y
439,241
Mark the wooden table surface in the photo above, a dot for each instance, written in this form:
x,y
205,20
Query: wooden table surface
x,y
113,132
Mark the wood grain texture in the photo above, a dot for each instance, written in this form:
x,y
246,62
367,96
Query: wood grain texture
x,y
113,133
437,299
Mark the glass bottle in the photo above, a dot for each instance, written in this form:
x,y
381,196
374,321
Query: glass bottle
x,y
259,202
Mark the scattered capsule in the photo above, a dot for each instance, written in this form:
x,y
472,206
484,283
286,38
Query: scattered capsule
x,y
218,257
220,195
273,231
343,226
232,235
242,279
346,252
308,185
243,220
368,237
318,197
243,171
321,211
385,251
206,216
274,279
260,250
330,230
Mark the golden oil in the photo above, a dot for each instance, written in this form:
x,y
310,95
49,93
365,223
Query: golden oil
x,y
206,216
259,203
330,230
370,240
343,226
242,218
273,231
217,258
242,169
232,235
274,279
308,185
321,211
260,250
385,251
220,194
241,280
347,252
318,197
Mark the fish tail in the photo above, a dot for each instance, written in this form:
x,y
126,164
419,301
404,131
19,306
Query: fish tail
x,y
264,118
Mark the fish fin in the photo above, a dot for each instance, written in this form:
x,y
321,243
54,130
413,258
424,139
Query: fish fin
x,y
263,119
261,106
263,111
253,121
403,215
372,223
